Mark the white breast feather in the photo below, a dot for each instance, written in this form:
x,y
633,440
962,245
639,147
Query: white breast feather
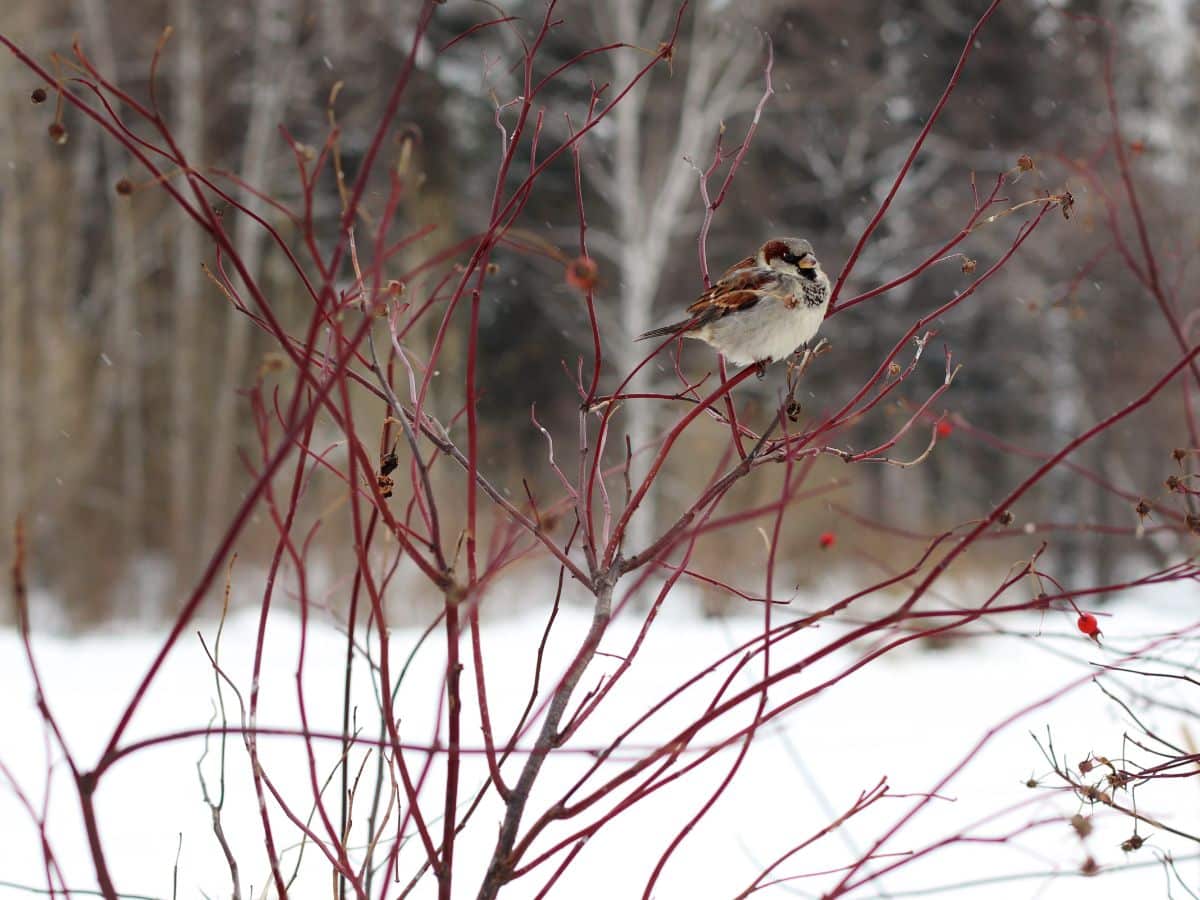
x,y
768,330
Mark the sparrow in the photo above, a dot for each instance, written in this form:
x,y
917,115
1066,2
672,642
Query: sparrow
x,y
762,308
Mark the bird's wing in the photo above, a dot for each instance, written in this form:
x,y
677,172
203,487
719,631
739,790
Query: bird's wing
x,y
739,290
747,263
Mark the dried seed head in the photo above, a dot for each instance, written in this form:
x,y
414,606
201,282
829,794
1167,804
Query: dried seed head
x,y
1025,163
1090,867
1142,509
1066,202
395,288
385,485
38,95
1006,517
124,187
388,463
893,369
1173,483
1086,766
969,265
57,132
492,269
1118,780
1133,843
1031,782
1179,455
1082,824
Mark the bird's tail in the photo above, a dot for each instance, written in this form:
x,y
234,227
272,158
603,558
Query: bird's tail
x,y
664,331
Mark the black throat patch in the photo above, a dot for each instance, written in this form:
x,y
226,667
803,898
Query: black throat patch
x,y
815,292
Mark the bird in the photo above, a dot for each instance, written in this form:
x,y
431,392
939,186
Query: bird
x,y
762,309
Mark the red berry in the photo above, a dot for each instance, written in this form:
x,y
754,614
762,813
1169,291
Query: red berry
x,y
583,273
945,428
1088,625
828,539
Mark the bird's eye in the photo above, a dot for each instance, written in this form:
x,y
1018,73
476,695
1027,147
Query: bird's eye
x,y
790,258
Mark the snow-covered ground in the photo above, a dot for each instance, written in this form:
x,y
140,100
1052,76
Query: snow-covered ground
x,y
910,716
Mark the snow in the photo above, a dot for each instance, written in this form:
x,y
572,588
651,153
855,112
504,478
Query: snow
x,y
910,715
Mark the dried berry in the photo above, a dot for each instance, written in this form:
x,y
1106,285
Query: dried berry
x,y
1025,163
389,462
124,187
38,95
945,428
583,273
1082,824
57,132
1133,843
385,485
827,540
1066,203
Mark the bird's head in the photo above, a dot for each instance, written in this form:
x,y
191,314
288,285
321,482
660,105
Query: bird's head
x,y
792,256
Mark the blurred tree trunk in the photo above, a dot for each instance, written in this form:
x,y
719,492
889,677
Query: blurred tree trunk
x,y
1066,394
333,28
274,33
12,299
651,192
185,342
124,337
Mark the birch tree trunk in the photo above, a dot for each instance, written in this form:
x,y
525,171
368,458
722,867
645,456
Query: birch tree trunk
x,y
274,31
125,338
12,299
650,201
189,130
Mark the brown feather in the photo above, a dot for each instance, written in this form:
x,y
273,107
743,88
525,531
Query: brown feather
x,y
740,291
748,263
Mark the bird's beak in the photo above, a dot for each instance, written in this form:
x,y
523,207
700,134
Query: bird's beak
x,y
809,262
